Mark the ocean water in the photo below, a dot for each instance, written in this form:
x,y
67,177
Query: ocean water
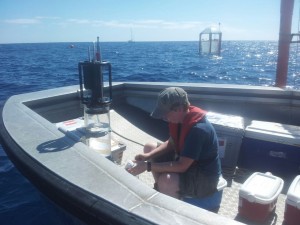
x,y
32,67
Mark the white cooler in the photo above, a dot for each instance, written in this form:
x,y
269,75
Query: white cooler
x,y
230,131
292,203
269,146
258,196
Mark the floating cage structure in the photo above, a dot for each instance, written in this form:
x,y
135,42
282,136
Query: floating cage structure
x,y
210,41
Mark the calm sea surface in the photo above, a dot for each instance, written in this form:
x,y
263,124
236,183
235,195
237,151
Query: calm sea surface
x,y
32,67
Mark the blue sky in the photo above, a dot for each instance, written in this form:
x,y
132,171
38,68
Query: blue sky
x,y
27,21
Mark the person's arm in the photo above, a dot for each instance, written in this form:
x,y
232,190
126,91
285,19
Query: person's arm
x,y
164,147
179,166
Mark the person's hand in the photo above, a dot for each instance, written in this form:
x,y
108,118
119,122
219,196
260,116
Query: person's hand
x,y
139,167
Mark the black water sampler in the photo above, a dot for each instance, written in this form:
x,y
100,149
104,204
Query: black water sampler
x,y
96,100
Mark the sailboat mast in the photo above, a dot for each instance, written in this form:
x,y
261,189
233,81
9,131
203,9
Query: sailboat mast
x,y
286,13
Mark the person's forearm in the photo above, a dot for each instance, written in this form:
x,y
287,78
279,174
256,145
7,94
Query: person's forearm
x,y
179,166
164,147
166,167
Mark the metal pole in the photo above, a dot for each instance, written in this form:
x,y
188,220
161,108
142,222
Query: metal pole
x,y
200,43
286,13
220,42
210,40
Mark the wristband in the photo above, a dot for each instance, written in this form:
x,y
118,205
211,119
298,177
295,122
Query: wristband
x,y
148,166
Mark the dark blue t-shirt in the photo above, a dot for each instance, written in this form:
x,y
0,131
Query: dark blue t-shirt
x,y
201,144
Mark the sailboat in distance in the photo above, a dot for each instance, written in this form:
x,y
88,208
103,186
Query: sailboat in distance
x,y
131,37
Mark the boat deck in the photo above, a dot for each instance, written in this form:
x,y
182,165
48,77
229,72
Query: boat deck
x,y
134,127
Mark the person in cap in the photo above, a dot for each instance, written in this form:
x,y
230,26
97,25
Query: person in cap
x,y
188,163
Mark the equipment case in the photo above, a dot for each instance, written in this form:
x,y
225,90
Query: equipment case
x,y
269,146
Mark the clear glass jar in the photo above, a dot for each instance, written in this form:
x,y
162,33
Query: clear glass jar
x,y
98,131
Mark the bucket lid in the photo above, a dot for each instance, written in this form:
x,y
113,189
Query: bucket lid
x,y
293,194
261,188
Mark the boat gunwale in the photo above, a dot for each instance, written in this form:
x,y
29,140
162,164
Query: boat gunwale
x,y
45,180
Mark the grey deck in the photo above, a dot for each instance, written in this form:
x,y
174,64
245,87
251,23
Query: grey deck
x,y
132,127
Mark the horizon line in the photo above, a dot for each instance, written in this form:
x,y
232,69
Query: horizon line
x,y
69,42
